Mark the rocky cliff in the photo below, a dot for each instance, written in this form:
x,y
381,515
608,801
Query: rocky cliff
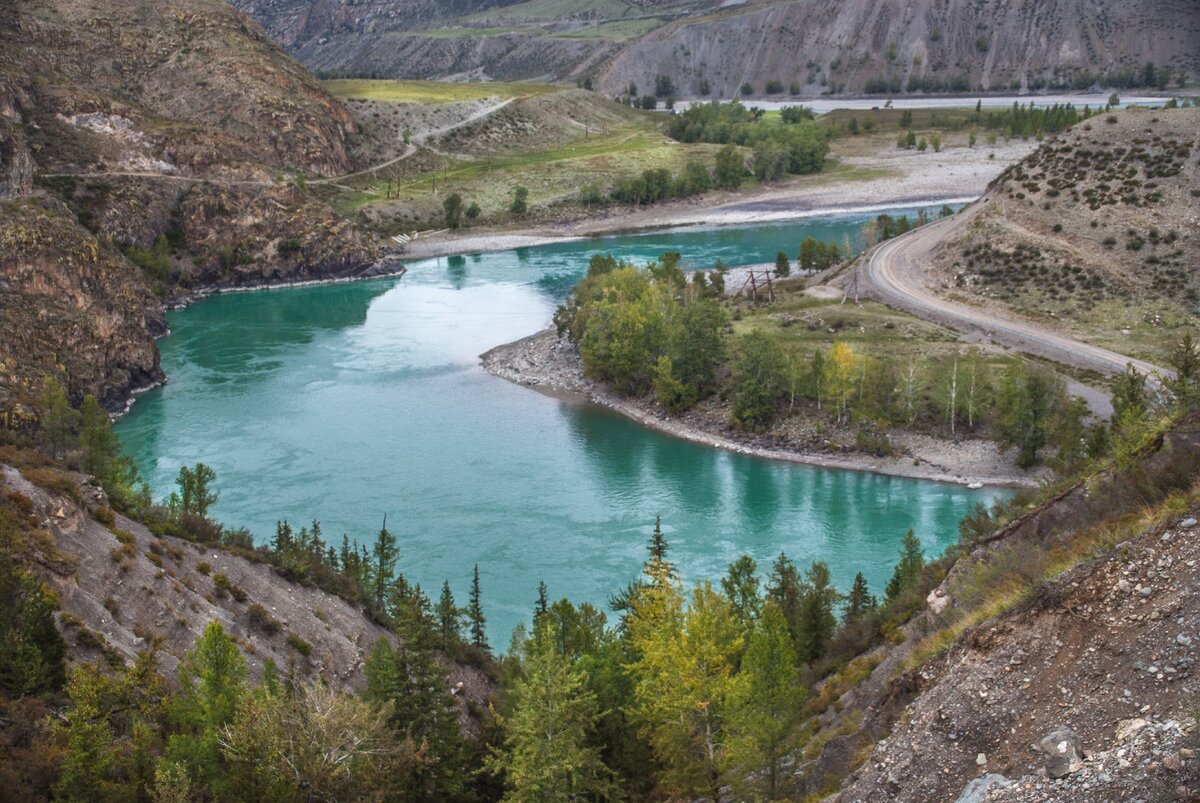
x,y
847,46
146,149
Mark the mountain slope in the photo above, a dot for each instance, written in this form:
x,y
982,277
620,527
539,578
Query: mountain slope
x,y
849,46
1096,231
146,149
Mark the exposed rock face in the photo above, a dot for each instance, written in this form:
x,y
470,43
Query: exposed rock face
x,y
71,305
843,46
147,120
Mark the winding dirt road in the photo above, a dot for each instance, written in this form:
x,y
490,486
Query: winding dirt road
x,y
895,275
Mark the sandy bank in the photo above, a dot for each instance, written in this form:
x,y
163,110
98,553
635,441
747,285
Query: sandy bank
x,y
550,365
899,179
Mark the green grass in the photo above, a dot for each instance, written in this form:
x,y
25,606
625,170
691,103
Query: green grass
x,y
457,33
619,31
431,91
558,9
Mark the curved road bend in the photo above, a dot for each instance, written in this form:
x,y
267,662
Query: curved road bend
x,y
895,276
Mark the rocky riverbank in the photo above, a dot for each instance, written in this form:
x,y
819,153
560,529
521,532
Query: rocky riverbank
x,y
549,364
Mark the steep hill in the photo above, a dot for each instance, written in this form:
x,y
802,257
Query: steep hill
x,y
851,46
1095,231
147,147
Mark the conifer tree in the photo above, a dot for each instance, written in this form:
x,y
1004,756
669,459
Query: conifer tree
x,y
908,571
548,751
449,617
741,589
859,602
768,703
57,422
542,606
475,615
384,556
785,589
97,441
817,620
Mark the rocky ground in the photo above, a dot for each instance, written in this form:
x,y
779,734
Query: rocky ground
x,y
1106,651
551,365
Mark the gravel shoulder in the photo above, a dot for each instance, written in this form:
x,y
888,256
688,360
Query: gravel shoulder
x,y
550,365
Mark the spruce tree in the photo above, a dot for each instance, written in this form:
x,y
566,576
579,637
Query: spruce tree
x,y
817,621
449,617
741,588
908,571
384,556
57,422
542,606
412,678
475,615
859,603
785,589
97,441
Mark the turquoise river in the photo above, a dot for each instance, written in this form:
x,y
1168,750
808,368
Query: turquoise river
x,y
346,402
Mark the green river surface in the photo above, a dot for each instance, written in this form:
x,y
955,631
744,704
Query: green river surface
x,y
345,402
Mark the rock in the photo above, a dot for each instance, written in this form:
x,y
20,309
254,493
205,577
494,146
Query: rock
x,y
1063,750
1188,523
981,759
1183,640
1173,762
977,790
937,601
1129,728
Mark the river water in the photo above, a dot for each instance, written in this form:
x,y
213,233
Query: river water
x,y
347,402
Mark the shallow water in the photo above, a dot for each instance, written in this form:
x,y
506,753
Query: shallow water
x,y
348,402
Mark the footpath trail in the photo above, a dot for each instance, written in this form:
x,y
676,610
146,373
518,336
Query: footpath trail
x,y
895,275
409,149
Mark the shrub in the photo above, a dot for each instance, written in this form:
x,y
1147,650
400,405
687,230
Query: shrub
x,y
261,618
299,645
747,88
224,584
203,567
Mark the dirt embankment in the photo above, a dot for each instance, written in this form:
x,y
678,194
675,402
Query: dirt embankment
x,y
551,365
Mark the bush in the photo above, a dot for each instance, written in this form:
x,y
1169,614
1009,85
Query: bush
x,y
203,567
520,201
747,88
224,584
261,618
299,645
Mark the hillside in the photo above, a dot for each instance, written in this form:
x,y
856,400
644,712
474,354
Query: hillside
x,y
878,46
150,149
1096,231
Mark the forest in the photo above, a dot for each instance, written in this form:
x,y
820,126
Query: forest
x,y
678,690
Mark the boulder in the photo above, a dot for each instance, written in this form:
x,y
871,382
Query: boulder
x,y
1063,750
976,791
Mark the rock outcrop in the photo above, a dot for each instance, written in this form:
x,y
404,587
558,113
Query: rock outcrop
x,y
148,148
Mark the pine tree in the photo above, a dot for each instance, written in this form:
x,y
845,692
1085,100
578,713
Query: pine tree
x,y
542,606
908,571
859,603
384,555
97,441
449,617
767,704
817,620
57,422
785,589
475,615
549,753
782,266
411,677
741,588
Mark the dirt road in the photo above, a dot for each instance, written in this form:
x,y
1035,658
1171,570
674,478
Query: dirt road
x,y
895,275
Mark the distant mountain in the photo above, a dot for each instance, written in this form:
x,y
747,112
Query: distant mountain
x,y
877,46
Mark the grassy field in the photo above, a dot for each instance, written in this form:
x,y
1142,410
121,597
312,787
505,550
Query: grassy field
x,y
617,31
431,91
557,9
